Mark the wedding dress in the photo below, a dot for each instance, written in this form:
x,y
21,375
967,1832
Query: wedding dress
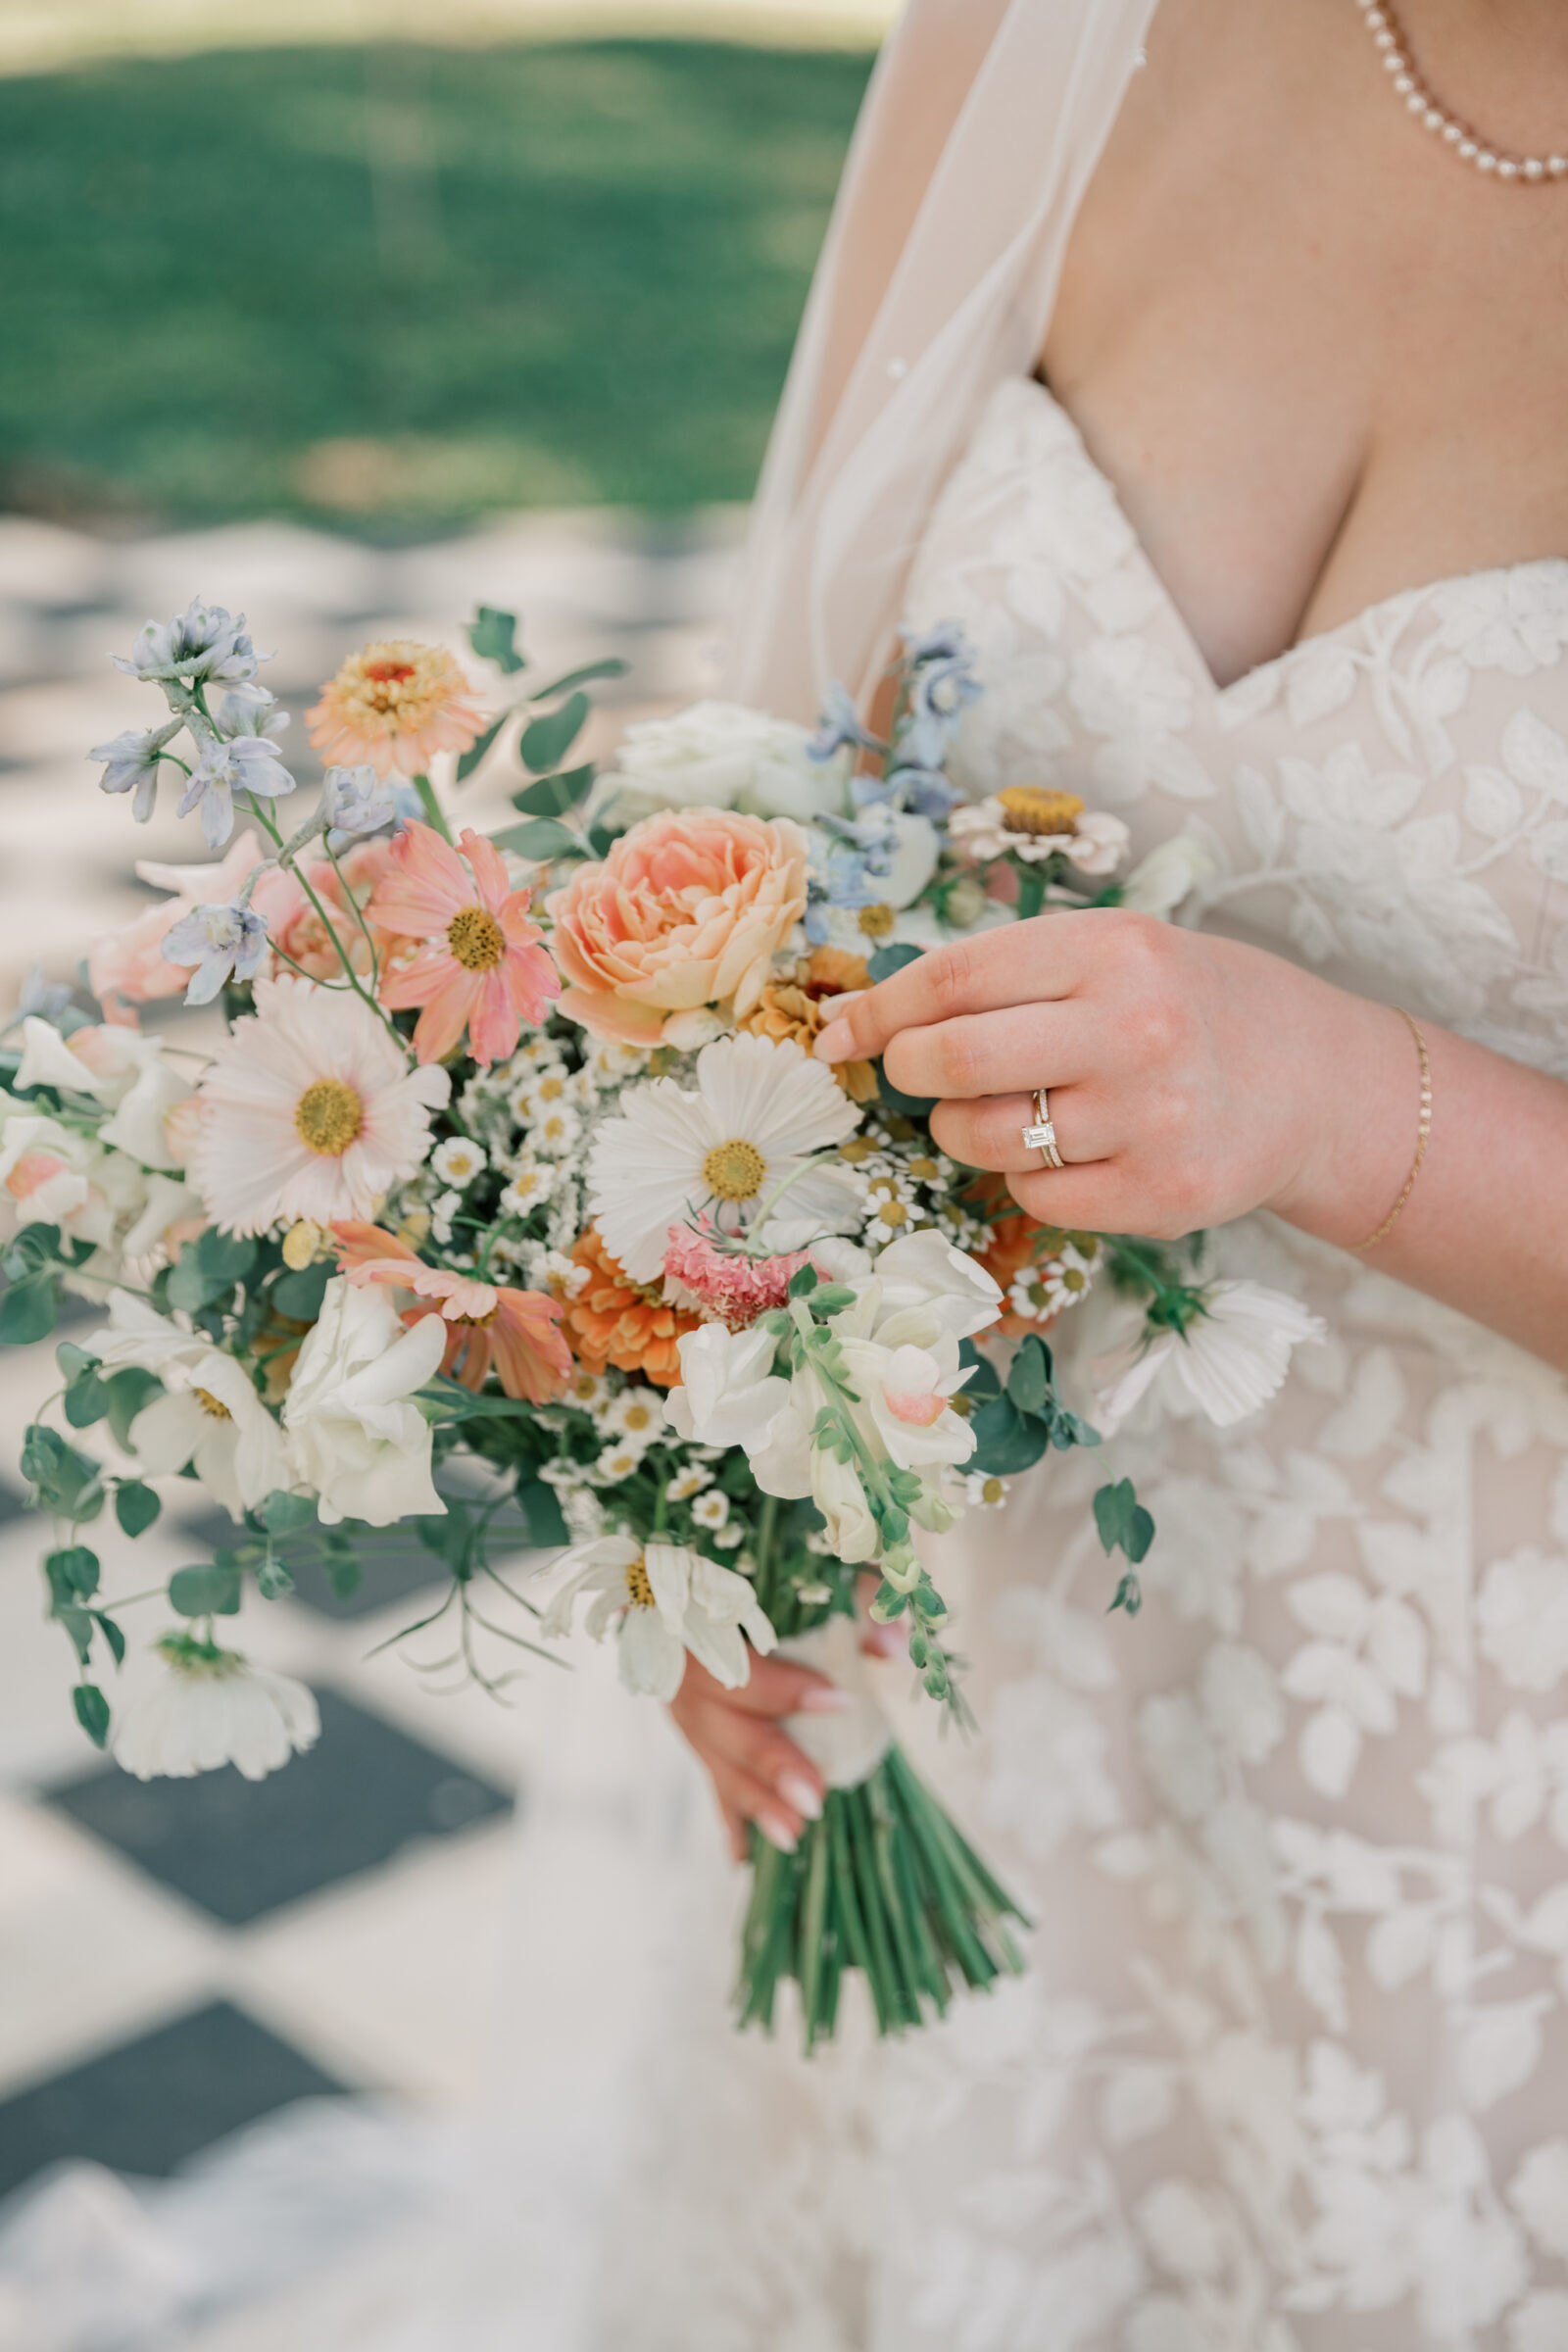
x,y
1288,2069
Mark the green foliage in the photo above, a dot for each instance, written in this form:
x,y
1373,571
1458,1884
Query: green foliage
x,y
540,1506
428,256
553,796
92,1712
72,1575
209,1269
545,741
283,1514
1124,1526
299,1295
1015,1425
64,1479
611,666
87,1399
129,1390
491,633
211,1588
883,962
471,759
542,837
28,1310
137,1507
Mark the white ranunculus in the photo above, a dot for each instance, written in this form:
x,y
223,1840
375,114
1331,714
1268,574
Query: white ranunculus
x,y
354,1437
1230,1360
918,846
211,1707
211,1420
665,1601
1173,870
723,756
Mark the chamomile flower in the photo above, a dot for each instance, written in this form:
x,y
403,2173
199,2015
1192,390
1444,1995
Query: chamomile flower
x,y
443,1209
554,1132
530,1187
1040,1291
618,1463
636,1416
892,1205
985,1492
726,1538
712,1510
611,1064
687,1482
587,1391
458,1161
551,1090
537,1053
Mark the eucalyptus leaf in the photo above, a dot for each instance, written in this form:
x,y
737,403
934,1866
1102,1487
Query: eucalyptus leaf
x,y
209,1589
129,1390
281,1512
1004,1441
92,1712
299,1295
612,666
541,838
883,962
28,1310
1029,1379
136,1505
544,742
476,750
553,796
492,634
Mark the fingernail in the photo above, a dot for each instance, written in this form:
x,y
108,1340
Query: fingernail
x,y
836,1042
797,1791
777,1834
824,1698
835,1004
886,1640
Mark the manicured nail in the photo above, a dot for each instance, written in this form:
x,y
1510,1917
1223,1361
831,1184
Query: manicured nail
x,y
797,1791
834,1004
777,1834
824,1698
836,1042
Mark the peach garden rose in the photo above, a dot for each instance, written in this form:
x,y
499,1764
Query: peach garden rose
x,y
687,911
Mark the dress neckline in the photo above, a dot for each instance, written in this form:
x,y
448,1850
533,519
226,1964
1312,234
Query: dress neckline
x,y
1320,639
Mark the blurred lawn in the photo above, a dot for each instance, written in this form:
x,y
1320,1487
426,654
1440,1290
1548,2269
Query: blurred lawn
x,y
391,287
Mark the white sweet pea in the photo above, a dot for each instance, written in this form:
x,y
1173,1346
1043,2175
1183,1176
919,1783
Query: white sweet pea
x,y
904,1396
354,1437
214,1423
722,756
729,1393
211,1708
839,1495
921,1270
139,1125
171,1213
1230,1359
47,1060
665,1601
1173,870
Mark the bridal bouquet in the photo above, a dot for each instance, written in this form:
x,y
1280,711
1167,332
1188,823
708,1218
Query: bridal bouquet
x,y
512,1209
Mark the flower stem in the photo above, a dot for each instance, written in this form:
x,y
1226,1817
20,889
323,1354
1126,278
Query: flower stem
x,y
431,806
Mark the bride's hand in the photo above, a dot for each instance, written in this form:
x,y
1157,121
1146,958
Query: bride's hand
x,y
1191,1078
759,1774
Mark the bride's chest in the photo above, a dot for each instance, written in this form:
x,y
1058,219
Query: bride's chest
x,y
1388,801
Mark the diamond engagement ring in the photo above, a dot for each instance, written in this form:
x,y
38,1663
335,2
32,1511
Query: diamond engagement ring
x,y
1041,1136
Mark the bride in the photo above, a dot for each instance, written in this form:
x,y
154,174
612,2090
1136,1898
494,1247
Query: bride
x,y
1206,363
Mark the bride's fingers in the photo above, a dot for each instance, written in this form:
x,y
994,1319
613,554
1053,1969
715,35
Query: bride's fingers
x,y
743,1799
994,1053
990,1134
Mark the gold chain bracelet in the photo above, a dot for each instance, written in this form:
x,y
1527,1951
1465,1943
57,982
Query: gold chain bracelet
x,y
1422,1133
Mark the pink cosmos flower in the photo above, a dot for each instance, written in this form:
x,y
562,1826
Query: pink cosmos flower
x,y
309,1109
480,965
489,1327
733,1289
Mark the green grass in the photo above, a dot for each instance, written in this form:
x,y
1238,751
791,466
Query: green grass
x,y
397,286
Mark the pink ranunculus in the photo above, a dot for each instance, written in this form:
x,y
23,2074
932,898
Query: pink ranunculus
x,y
687,911
294,926
735,1290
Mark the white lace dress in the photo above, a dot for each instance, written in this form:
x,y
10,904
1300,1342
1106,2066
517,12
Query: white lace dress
x,y
1290,2070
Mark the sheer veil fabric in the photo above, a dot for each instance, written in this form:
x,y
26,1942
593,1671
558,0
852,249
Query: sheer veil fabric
x,y
981,129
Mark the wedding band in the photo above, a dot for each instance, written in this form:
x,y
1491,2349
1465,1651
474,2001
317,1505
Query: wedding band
x,y
1041,1136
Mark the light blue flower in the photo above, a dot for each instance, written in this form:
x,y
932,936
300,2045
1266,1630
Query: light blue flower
x,y
202,643
220,941
245,763
945,641
47,1000
851,857
355,801
939,693
838,726
248,711
923,789
133,760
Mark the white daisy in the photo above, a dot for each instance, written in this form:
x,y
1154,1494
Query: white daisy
x,y
458,1161
985,1492
212,1708
530,1187
555,1131
726,1538
664,1601
1230,1359
551,1090
687,1482
310,1108
611,1064
760,1112
587,1390
636,1416
617,1462
712,1510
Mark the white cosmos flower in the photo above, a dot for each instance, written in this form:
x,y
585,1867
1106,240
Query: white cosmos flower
x,y
1230,1360
211,1420
667,1601
355,1436
308,1109
211,1707
761,1111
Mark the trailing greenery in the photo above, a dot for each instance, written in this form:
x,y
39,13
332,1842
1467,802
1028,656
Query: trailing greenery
x,y
400,285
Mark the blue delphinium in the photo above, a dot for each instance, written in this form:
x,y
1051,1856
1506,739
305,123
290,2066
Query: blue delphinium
x,y
220,941
854,857
356,802
202,643
133,760
245,763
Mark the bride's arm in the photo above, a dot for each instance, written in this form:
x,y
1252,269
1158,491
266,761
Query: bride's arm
x,y
1193,1079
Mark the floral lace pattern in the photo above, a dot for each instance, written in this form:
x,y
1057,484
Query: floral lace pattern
x,y
1287,2072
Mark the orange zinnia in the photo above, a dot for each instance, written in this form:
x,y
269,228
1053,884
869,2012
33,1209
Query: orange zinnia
x,y
793,1006
614,1320
489,1328
395,704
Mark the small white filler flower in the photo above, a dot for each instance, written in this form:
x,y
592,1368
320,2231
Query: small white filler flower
x,y
213,1708
665,1601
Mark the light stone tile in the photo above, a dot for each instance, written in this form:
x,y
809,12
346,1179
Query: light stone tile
x,y
276,573
41,564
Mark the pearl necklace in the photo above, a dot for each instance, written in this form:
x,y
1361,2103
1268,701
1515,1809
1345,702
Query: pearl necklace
x,y
1384,27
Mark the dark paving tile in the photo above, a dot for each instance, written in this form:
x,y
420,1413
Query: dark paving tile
x,y
146,2106
389,1572
240,1847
